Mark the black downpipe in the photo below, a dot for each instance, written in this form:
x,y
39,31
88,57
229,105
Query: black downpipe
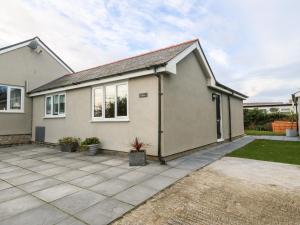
x,y
160,158
229,117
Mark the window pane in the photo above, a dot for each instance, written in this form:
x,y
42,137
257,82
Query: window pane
x,y
122,100
61,104
110,94
48,106
3,98
55,105
15,98
98,98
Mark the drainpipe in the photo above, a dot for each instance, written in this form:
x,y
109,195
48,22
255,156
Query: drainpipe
x,y
160,158
229,118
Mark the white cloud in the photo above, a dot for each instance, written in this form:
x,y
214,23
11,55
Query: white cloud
x,y
243,39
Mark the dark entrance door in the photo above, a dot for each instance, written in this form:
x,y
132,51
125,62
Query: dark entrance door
x,y
218,108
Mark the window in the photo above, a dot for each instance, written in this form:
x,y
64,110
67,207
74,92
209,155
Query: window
x,y
11,99
55,105
110,102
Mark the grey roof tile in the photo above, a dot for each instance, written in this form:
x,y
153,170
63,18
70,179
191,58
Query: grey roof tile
x,y
135,63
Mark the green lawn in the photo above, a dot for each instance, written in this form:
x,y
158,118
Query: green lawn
x,y
261,132
268,150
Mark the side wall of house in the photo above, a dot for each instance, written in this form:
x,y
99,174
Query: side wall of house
x,y
17,67
113,135
189,118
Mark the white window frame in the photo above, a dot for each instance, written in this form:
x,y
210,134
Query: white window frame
x,y
116,118
9,110
59,115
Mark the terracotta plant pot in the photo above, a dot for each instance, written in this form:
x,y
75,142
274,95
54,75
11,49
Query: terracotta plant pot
x,y
137,158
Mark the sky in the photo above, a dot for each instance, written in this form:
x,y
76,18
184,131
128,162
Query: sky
x,y
252,46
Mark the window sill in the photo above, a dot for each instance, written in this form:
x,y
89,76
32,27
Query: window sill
x,y
109,120
55,117
12,112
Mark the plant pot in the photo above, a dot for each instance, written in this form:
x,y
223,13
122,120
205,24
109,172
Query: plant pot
x,y
291,132
93,149
137,158
69,147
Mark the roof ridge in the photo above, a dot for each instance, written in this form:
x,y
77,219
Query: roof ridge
x,y
135,56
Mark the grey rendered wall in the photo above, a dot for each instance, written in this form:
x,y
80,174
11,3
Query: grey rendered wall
x,y
113,135
16,67
189,119
237,117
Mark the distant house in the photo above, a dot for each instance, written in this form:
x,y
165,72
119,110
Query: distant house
x,y
296,101
271,107
169,98
23,67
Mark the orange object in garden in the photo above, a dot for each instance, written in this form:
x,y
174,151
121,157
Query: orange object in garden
x,y
281,126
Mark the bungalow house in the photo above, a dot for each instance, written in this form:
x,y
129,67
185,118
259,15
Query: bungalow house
x,y
169,98
23,67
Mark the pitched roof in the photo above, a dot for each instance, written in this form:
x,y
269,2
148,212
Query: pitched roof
x,y
147,60
41,43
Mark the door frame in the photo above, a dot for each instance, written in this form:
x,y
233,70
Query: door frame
x,y
221,118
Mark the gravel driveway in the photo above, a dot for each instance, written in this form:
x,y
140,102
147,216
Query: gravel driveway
x,y
230,191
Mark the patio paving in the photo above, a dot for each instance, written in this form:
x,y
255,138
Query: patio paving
x,y
40,185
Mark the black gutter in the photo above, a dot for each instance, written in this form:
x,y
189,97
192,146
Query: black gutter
x,y
160,158
229,117
295,100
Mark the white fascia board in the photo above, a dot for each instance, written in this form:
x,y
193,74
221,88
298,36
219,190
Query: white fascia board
x,y
40,44
227,92
171,65
102,81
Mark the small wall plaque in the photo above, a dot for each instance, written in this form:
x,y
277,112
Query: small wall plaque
x,y
143,95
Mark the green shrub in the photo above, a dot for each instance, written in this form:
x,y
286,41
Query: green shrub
x,y
255,119
69,141
91,141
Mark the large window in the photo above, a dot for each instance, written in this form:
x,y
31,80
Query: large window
x,y
55,105
11,99
110,102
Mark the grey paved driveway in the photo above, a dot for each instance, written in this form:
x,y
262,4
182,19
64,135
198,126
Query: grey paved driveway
x,y
41,186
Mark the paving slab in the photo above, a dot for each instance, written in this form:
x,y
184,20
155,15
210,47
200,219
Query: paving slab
x,y
4,185
94,168
176,173
78,201
39,185
25,178
56,192
135,176
79,164
112,172
153,168
193,164
18,205
113,162
111,187
54,171
44,215
11,193
70,221
70,175
15,173
136,194
104,212
87,181
159,182
43,167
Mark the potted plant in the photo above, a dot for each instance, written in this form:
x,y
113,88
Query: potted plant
x,y
137,156
292,132
69,144
91,144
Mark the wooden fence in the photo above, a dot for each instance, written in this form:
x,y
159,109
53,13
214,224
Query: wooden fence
x,y
281,126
